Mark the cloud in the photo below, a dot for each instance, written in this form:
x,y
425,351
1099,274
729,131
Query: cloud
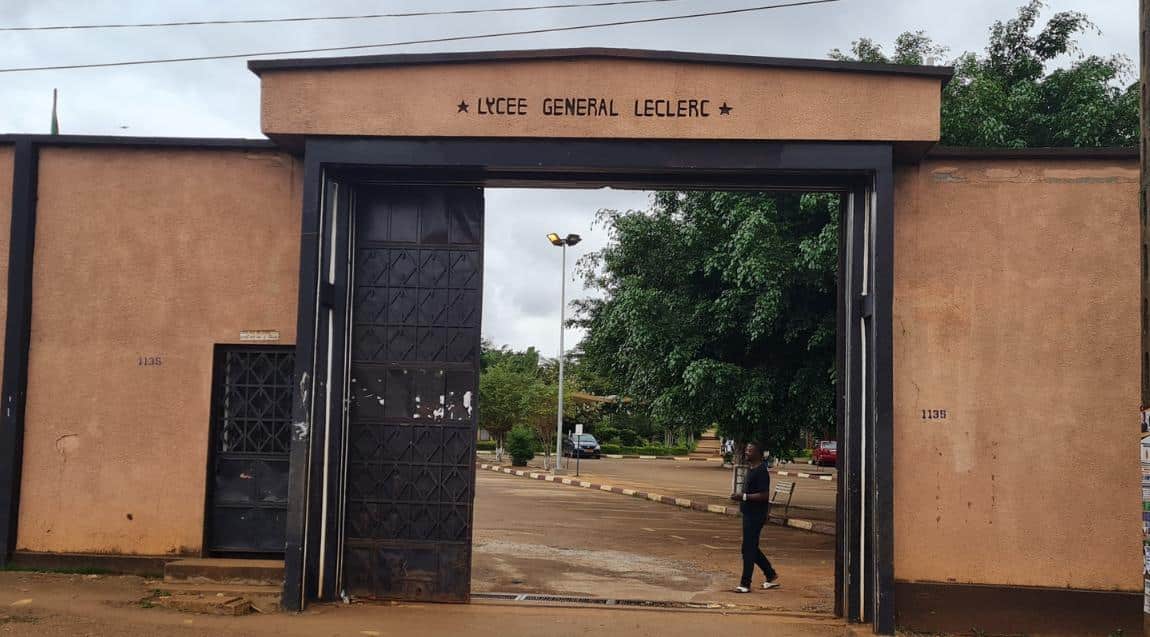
x,y
521,290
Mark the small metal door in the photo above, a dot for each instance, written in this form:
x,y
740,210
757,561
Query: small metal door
x,y
251,436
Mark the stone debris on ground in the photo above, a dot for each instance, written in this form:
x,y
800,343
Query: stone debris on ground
x,y
218,604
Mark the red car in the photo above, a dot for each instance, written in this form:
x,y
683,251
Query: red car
x,y
826,453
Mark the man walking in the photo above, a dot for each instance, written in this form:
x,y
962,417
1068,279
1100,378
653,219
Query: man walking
x,y
755,502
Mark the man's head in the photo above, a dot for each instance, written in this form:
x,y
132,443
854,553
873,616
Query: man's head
x,y
753,453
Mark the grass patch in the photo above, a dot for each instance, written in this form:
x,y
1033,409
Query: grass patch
x,y
153,595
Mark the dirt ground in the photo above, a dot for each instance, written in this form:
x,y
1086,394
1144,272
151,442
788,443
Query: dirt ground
x,y
59,605
538,537
530,537
705,482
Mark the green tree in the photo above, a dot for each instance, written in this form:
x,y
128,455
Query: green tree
x,y
526,361
1008,96
539,406
501,389
719,308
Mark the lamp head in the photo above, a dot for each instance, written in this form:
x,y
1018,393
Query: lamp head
x,y
572,239
555,239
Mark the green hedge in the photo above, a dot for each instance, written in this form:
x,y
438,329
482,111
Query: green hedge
x,y
485,445
648,450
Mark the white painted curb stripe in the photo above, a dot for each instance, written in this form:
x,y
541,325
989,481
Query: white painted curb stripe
x,y
805,525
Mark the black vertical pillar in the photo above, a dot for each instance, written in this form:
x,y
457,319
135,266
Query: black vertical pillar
x,y
843,323
882,466
300,510
853,445
16,339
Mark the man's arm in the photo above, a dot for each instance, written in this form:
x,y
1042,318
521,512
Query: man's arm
x,y
760,495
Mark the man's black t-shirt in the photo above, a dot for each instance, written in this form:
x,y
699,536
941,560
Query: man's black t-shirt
x,y
758,481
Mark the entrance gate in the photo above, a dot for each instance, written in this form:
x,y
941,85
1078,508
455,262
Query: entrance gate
x,y
380,496
414,377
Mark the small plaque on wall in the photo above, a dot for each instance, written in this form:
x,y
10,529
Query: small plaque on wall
x,y
259,336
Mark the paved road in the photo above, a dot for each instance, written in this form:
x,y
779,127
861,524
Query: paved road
x,y
538,537
706,482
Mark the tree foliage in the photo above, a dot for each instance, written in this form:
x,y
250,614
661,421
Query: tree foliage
x,y
719,308
1009,97
527,361
518,388
501,390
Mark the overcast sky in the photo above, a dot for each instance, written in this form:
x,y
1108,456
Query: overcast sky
x,y
221,98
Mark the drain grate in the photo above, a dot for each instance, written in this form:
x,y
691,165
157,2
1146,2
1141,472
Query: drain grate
x,y
562,598
596,601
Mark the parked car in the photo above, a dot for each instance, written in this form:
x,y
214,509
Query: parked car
x,y
826,453
585,447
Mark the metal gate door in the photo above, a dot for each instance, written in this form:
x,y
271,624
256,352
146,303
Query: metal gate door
x,y
416,309
251,420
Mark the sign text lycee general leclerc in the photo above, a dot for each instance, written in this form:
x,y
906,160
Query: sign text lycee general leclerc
x,y
512,106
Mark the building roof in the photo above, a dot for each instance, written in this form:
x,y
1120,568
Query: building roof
x,y
944,73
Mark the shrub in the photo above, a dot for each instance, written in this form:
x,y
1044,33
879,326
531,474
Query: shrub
x,y
485,445
610,448
520,445
606,433
628,438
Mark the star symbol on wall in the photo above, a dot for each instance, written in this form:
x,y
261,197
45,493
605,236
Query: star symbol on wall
x,y
726,110
464,106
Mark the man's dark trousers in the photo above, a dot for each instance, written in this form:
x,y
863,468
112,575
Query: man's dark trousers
x,y
752,554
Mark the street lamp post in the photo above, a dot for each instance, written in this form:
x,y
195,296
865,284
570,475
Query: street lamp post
x,y
562,242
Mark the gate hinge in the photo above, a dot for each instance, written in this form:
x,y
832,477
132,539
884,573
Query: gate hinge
x,y
327,295
866,305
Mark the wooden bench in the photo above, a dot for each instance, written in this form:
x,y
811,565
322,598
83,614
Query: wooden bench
x,y
783,489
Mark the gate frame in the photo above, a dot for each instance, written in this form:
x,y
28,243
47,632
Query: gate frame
x,y
861,171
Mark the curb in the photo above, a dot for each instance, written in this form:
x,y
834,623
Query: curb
x,y
617,456
814,526
803,474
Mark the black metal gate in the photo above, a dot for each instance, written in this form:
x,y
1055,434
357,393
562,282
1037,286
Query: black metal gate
x,y
251,437
413,386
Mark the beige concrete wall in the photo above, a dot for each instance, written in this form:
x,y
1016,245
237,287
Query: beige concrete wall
x,y
143,252
766,103
1016,310
7,158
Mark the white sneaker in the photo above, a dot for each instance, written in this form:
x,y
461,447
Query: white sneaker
x,y
771,584
742,589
